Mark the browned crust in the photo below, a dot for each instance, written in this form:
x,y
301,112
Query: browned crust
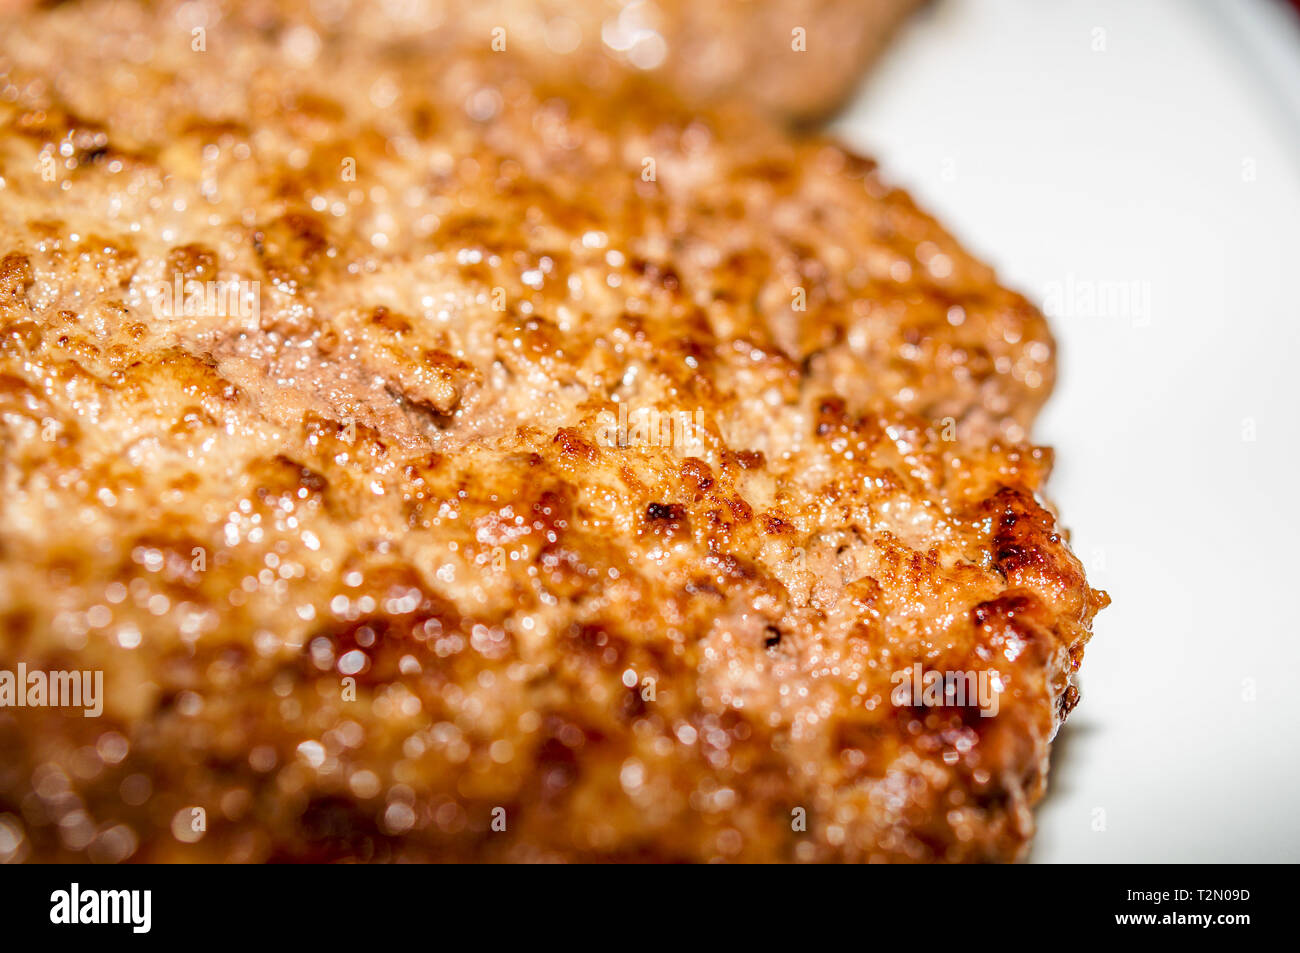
x,y
396,468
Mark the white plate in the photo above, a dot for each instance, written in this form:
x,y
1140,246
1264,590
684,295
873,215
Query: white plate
x,y
1135,167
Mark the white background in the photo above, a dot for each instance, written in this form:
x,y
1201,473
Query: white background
x,y
1155,145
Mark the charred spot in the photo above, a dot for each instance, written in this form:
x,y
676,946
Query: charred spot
x,y
15,275
697,474
666,520
572,444
771,637
282,476
1076,655
740,510
1004,607
657,512
1067,702
830,416
1015,555
1010,626
1024,535
774,525
750,459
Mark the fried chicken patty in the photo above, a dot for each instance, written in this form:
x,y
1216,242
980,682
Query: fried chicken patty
x,y
442,463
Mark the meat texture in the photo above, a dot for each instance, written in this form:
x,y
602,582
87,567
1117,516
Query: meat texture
x,y
534,476
795,59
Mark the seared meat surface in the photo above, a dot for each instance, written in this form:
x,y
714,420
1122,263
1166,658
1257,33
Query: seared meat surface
x,y
796,59
441,462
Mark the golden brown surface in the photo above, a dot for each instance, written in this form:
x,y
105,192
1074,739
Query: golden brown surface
x,y
397,471
797,59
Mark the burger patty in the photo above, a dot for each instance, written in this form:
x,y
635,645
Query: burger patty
x,y
442,462
796,59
